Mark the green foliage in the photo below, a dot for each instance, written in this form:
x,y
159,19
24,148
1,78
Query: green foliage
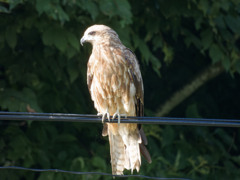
x,y
13,100
43,69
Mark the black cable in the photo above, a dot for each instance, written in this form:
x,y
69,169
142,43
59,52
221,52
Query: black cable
x,y
86,173
62,117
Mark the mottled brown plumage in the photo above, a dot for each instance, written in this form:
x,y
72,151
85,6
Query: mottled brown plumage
x,y
115,83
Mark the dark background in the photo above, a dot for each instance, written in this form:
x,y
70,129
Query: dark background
x,y
43,69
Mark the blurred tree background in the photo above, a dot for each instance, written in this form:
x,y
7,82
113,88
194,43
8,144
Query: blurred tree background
x,y
190,61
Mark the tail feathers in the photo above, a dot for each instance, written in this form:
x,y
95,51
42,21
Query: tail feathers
x,y
125,152
132,152
117,152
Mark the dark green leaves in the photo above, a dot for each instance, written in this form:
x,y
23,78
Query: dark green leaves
x,y
124,11
91,7
43,6
117,8
11,36
3,9
206,38
43,69
233,22
14,100
61,39
215,53
52,9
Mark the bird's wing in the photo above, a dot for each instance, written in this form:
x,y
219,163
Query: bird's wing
x,y
136,78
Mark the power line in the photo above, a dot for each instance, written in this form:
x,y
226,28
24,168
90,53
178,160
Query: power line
x,y
64,117
86,173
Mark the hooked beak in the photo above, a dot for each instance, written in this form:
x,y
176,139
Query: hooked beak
x,y
83,40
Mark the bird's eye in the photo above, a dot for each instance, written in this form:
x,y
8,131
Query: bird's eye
x,y
92,33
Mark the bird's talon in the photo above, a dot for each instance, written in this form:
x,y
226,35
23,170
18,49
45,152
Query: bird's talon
x,y
104,116
114,116
108,117
119,116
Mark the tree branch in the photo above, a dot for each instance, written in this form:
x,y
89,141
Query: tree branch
x,y
209,73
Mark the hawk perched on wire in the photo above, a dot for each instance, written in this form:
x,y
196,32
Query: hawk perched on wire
x,y
116,87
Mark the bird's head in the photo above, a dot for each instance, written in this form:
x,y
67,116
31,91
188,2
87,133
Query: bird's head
x,y
98,34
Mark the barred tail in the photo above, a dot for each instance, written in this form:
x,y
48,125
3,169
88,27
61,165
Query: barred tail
x,y
124,143
117,152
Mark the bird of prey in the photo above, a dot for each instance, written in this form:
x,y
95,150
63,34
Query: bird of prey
x,y
116,87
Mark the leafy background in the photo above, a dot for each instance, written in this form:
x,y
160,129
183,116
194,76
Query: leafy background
x,y
190,61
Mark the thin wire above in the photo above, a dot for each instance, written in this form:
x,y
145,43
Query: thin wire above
x,y
64,117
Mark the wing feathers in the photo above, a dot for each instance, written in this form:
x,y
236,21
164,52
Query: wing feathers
x,y
145,153
143,136
136,78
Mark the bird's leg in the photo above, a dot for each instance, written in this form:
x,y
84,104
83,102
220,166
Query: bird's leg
x,y
104,115
117,114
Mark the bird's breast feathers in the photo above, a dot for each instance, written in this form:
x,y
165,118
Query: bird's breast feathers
x,y
111,81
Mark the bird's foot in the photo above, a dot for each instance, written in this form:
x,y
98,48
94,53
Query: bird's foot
x,y
117,114
104,116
